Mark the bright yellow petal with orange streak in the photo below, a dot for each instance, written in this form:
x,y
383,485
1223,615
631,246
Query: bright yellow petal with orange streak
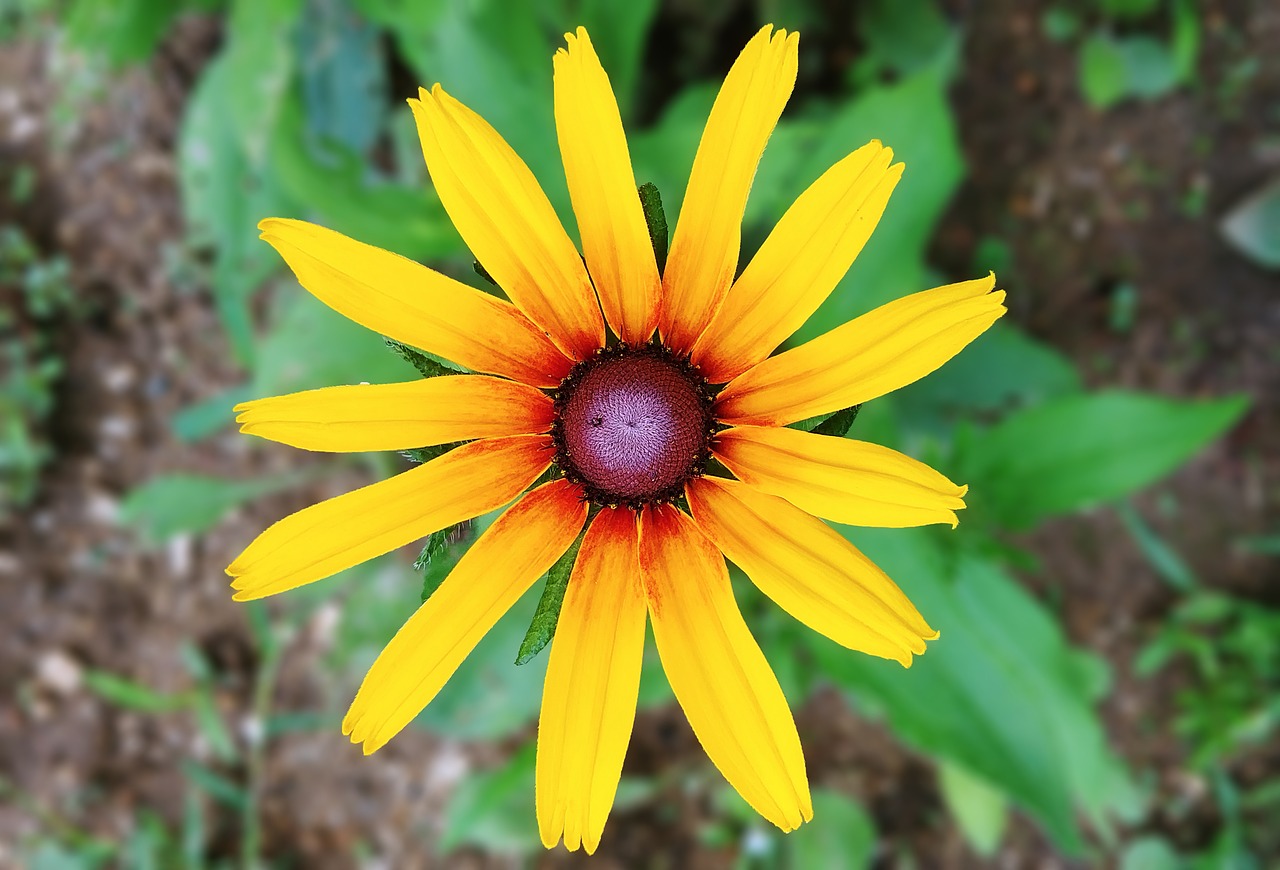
x,y
812,572
853,482
718,673
399,416
799,264
597,166
708,236
507,222
593,681
877,353
500,566
407,301
335,534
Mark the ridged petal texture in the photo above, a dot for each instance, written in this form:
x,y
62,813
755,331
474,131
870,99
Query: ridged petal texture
x,y
852,482
809,570
327,537
799,264
708,237
500,566
504,217
421,413
717,671
592,683
407,301
877,353
597,167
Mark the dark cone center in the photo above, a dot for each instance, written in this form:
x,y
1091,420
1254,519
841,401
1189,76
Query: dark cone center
x,y
632,426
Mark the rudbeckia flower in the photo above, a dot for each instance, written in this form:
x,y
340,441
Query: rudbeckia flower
x,y
654,399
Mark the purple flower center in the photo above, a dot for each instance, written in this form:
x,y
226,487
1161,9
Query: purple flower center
x,y
632,425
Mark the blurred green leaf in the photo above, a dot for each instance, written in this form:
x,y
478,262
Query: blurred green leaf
x,y
217,786
1060,23
1185,44
201,419
1162,557
1253,226
131,695
122,31
1081,450
170,504
343,75
901,37
980,810
1003,369
1102,71
1150,853
258,61
840,834
1000,693
223,198
494,809
914,118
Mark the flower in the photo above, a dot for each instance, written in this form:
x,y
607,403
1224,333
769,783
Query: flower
x,y
608,370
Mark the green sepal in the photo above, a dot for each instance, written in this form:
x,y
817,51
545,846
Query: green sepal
x,y
547,615
656,219
426,366
483,272
836,423
426,454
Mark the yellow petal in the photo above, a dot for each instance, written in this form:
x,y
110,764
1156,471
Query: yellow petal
x,y
890,347
718,673
800,263
500,566
705,246
399,416
852,482
597,166
593,681
407,301
335,534
506,220
809,570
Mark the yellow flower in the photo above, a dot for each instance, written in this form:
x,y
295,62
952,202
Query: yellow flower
x,y
629,421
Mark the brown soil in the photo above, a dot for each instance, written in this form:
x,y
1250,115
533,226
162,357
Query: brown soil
x,y
1086,200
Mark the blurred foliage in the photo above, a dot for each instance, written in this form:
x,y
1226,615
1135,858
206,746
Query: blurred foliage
x,y
299,115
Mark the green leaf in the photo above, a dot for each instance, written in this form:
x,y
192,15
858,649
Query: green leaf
x,y
840,834
201,419
656,219
258,61
343,76
427,366
223,198
170,504
902,37
1185,44
124,32
1085,449
980,810
1162,557
839,423
440,553
1003,369
1150,853
543,625
1059,23
1000,693
619,32
494,809
1253,226
131,695
217,786
1103,76
914,118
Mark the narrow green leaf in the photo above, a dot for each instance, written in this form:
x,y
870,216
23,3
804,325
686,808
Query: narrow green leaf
x,y
426,366
216,785
201,419
1081,450
839,423
131,695
1252,227
1163,558
543,626
174,503
656,219
426,454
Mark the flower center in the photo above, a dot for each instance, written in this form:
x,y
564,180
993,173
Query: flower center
x,y
632,425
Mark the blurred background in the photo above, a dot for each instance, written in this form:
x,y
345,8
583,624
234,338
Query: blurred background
x,y
1106,689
